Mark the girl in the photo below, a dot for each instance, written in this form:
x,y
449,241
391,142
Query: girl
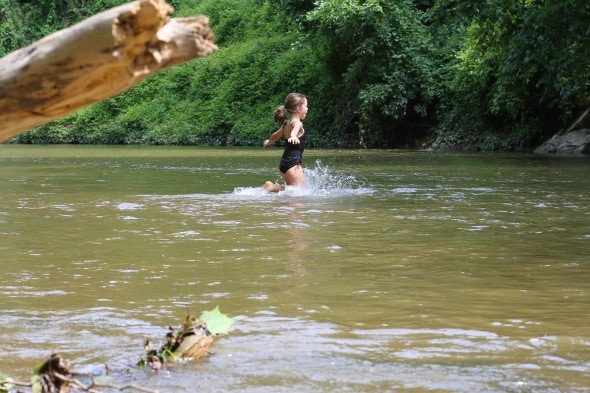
x,y
290,116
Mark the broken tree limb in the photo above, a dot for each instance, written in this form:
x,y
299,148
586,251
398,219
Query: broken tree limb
x,y
575,123
94,60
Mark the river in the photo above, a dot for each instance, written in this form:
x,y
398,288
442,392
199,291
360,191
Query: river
x,y
391,271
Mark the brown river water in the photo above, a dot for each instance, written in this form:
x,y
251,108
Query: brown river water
x,y
390,271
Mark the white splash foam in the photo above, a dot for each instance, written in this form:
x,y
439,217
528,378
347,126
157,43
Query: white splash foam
x,y
319,182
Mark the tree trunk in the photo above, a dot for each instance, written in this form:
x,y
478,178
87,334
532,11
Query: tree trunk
x,y
94,60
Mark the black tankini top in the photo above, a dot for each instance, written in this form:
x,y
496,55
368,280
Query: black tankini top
x,y
293,154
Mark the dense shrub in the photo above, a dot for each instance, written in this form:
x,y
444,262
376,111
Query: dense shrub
x,y
485,74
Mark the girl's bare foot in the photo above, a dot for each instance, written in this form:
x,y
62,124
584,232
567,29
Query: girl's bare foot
x,y
271,187
268,186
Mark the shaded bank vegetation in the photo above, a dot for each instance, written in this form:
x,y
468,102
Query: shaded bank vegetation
x,y
485,74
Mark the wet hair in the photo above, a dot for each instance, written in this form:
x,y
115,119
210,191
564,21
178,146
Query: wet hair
x,y
291,104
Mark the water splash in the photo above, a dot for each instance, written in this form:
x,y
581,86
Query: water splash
x,y
319,182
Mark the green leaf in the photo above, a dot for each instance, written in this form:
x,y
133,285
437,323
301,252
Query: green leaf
x,y
217,323
35,384
39,367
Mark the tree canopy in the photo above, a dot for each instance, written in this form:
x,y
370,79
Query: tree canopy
x,y
485,74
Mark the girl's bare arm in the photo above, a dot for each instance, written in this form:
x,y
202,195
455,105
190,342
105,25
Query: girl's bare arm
x,y
274,137
294,137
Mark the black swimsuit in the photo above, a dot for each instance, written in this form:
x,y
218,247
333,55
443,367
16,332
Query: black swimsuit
x,y
293,154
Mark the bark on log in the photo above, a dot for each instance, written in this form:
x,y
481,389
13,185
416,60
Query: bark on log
x,y
94,60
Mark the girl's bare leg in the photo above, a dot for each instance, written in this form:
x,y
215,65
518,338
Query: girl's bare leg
x,y
294,176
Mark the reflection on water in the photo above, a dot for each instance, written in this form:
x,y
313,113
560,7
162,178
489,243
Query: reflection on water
x,y
389,271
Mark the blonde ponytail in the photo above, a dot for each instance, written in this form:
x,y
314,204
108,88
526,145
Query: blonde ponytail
x,y
280,115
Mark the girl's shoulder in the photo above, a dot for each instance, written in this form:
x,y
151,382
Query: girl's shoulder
x,y
296,124
291,125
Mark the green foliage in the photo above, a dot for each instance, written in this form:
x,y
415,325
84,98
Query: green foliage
x,y
23,22
216,322
239,20
12,27
486,74
235,91
521,69
224,99
380,52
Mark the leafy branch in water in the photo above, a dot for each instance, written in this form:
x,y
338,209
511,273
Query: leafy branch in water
x,y
190,342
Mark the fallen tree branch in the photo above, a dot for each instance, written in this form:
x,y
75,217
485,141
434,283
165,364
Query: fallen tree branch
x,y
190,342
575,123
94,60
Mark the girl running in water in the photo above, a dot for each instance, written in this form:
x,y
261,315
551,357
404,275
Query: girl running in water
x,y
290,116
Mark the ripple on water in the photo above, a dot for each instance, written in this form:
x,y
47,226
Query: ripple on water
x,y
267,353
125,206
516,246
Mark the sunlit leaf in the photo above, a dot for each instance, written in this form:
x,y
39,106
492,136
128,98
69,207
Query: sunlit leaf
x,y
217,323
35,384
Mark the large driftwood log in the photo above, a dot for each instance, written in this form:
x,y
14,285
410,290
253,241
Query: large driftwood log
x,y
93,60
